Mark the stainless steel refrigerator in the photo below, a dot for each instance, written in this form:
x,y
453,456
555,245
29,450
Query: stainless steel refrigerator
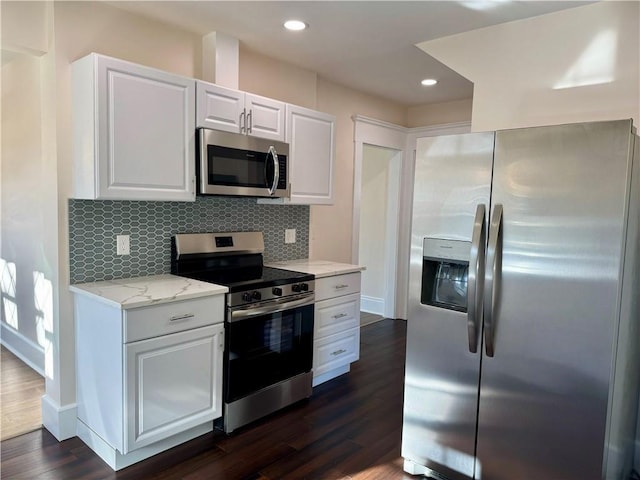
x,y
523,320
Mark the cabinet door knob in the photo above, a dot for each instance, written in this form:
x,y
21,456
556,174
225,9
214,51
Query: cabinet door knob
x,y
186,316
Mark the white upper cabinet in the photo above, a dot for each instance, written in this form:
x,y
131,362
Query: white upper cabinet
x,y
221,108
311,136
133,131
265,117
312,143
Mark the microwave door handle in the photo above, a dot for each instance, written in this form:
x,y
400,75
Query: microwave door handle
x,y
276,169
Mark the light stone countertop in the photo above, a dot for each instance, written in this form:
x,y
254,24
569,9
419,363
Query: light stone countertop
x,y
143,291
319,268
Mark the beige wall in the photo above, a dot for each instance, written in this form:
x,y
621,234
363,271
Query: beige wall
x,y
25,27
26,199
81,28
332,225
585,67
439,113
29,216
274,79
37,160
85,27
373,219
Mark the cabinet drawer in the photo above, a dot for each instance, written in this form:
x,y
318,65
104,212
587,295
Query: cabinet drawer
x,y
156,320
336,350
329,287
336,314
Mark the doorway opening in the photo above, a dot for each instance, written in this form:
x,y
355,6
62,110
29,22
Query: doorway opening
x,y
378,231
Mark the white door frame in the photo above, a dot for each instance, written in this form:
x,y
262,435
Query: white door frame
x,y
386,135
395,137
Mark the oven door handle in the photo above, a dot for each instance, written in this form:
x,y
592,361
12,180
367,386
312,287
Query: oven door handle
x,y
242,313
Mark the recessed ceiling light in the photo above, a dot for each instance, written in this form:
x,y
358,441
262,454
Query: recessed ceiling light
x,y
427,82
295,25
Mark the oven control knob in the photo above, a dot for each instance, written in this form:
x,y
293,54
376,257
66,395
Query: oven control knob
x,y
296,287
277,291
304,287
246,297
256,295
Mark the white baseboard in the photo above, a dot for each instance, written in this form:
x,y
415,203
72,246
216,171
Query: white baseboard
x,y
317,380
60,421
372,304
24,348
118,461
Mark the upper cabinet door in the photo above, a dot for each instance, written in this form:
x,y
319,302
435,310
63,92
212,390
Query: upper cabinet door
x,y
134,131
312,144
265,117
220,108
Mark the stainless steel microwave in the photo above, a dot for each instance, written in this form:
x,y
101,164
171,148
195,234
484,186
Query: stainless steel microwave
x,y
241,165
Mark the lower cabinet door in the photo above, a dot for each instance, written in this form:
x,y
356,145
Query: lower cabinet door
x,y
174,383
336,351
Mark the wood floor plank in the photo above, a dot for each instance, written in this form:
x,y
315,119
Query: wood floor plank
x,y
350,429
244,463
21,389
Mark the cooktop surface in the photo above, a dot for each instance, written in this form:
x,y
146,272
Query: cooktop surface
x,y
249,278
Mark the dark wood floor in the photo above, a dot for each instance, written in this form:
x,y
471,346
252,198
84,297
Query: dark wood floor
x,y
349,429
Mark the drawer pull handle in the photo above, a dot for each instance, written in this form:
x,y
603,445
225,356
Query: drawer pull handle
x,y
339,352
342,285
340,315
186,316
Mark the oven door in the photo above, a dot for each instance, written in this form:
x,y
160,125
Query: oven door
x,y
267,344
236,164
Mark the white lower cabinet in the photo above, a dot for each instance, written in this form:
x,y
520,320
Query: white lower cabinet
x,y
336,351
337,326
172,384
148,378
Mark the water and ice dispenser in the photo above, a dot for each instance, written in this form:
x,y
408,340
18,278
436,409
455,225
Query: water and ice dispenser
x,y
445,273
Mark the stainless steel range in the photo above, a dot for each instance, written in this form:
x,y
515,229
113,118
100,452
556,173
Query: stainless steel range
x,y
268,323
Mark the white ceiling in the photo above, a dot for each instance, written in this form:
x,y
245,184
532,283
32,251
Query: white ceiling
x,y
366,45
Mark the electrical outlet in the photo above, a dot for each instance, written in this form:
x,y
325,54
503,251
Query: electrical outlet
x,y
122,245
290,235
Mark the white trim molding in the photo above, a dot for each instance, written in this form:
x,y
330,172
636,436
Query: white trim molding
x,y
378,133
372,305
61,421
24,348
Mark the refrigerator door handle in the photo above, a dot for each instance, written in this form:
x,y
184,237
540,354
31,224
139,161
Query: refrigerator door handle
x,y
492,279
476,276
